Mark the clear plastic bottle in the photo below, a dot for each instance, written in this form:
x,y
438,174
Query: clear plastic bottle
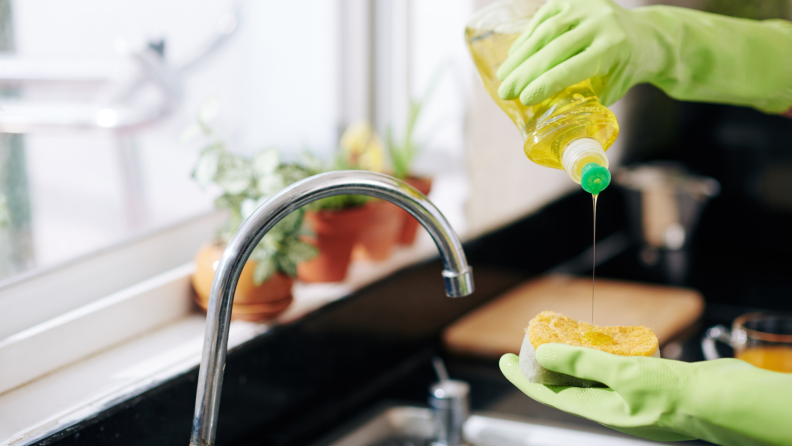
x,y
570,130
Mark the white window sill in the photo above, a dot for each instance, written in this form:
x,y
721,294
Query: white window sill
x,y
56,400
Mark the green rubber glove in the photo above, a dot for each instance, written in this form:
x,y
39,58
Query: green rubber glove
x,y
689,54
727,401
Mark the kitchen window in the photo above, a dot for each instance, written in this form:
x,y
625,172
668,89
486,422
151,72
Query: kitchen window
x,y
139,71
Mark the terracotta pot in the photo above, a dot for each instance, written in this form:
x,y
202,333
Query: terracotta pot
x,y
410,225
378,238
335,235
253,312
251,302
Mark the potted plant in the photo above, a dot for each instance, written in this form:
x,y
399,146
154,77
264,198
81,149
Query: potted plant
x,y
403,154
336,224
264,287
361,148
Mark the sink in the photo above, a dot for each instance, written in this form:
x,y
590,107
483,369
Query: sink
x,y
413,426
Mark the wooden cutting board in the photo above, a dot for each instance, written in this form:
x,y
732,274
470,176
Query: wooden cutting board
x,y
498,327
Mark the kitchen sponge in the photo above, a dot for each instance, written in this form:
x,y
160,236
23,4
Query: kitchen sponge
x,y
549,327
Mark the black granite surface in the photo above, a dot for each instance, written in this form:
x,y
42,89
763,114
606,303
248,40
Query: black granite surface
x,y
300,381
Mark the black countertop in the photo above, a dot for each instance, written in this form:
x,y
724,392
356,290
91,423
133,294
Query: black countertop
x,y
299,381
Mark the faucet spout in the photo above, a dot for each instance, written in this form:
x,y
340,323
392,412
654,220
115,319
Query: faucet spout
x,y
457,275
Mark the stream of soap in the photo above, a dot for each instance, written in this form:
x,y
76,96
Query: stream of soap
x,y
594,259
593,336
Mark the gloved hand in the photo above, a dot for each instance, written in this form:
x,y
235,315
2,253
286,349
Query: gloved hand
x,y
689,54
727,401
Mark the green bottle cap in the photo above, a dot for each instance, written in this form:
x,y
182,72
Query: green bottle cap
x,y
594,178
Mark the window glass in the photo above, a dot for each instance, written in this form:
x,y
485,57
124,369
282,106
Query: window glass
x,y
72,70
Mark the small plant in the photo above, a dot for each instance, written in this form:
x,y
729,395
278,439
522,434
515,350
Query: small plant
x,y
247,183
404,152
359,149
338,202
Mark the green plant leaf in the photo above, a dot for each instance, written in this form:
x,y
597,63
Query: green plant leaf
x,y
266,162
272,243
400,166
299,251
270,185
206,168
247,207
226,201
338,203
234,174
287,267
291,223
265,269
293,173
313,164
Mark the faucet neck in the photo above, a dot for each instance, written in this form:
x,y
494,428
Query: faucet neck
x,y
457,275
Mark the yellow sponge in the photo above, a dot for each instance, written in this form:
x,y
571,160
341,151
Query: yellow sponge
x,y
549,327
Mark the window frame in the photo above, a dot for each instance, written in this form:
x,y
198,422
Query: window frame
x,y
55,315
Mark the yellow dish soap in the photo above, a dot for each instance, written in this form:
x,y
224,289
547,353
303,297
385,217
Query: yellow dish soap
x,y
570,130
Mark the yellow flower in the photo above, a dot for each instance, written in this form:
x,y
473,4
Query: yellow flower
x,y
363,148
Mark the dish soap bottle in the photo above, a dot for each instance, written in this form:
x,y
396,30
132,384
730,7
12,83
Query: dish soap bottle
x,y
569,131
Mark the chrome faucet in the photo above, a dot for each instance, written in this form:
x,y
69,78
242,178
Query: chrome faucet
x,y
457,275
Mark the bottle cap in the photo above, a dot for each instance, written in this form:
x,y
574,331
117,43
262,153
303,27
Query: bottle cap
x,y
594,178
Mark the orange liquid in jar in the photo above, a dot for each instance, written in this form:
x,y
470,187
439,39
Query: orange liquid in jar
x,y
777,359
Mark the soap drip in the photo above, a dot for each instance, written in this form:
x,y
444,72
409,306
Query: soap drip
x,y
594,259
597,338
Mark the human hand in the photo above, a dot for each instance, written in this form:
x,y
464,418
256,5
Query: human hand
x,y
689,54
569,41
728,401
